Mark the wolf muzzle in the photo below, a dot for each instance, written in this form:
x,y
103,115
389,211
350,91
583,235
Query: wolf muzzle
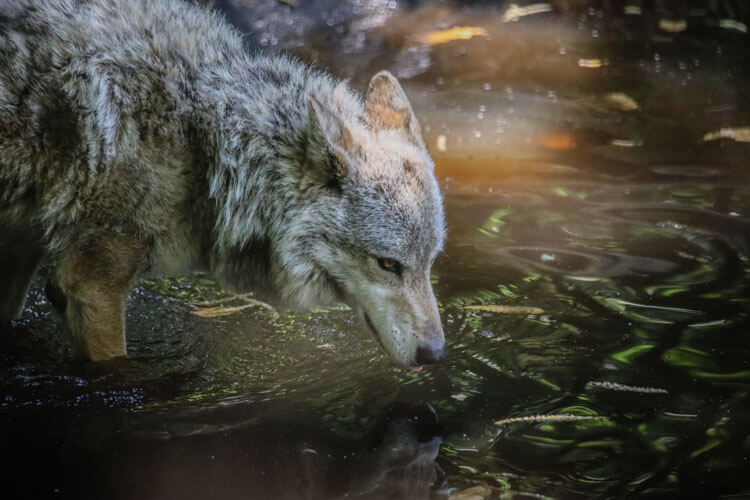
x,y
431,353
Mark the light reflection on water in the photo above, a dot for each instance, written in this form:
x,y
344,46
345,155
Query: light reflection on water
x,y
623,231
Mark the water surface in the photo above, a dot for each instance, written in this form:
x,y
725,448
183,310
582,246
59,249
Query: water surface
x,y
593,158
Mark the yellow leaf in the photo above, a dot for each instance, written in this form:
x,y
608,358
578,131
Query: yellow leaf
x,y
673,25
590,63
451,34
514,12
621,101
506,309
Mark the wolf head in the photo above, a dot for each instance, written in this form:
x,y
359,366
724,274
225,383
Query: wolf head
x,y
383,222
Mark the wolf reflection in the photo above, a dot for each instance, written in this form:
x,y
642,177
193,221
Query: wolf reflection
x,y
396,459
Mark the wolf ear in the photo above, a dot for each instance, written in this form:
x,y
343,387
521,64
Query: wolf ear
x,y
388,107
332,131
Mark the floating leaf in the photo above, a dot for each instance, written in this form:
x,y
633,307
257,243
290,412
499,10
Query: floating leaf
x,y
514,12
627,355
633,10
741,375
741,134
710,444
590,63
621,101
506,309
731,24
495,221
451,34
673,25
625,143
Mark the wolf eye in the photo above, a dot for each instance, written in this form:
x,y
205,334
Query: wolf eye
x,y
390,265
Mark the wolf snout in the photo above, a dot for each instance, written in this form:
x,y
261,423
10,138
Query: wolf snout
x,y
431,353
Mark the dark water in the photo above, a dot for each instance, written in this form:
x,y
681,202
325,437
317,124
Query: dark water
x,y
597,209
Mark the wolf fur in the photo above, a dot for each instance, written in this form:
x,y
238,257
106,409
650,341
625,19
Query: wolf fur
x,y
140,136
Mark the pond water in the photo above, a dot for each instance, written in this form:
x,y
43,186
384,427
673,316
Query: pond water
x,y
594,287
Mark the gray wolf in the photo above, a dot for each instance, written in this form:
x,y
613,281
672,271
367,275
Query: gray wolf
x,y
139,136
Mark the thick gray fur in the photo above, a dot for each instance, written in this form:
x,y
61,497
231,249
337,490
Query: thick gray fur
x,y
147,122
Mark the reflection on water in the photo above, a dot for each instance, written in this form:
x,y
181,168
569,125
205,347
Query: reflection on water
x,y
593,159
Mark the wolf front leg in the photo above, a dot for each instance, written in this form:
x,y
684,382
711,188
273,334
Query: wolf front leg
x,y
95,278
20,253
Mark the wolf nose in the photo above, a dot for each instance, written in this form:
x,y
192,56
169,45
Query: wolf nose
x,y
429,355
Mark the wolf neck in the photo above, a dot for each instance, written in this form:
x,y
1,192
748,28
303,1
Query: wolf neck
x,y
262,130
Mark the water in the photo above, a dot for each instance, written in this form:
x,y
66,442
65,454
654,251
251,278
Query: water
x,y
596,211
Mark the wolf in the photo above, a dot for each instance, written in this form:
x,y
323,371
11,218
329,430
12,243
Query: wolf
x,y
140,136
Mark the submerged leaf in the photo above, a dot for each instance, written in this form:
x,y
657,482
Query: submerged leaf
x,y
557,141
